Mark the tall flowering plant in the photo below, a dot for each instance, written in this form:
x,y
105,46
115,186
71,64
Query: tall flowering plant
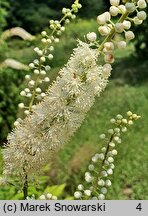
x,y
60,111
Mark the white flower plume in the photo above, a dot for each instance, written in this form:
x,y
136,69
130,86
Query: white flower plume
x,y
55,120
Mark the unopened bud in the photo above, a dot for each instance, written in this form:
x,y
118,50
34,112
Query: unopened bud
x,y
42,59
141,15
130,7
129,35
31,65
141,4
129,113
27,77
21,105
113,10
119,27
137,21
104,30
109,45
44,40
103,18
43,33
31,83
126,24
50,56
122,8
91,36
114,2
121,44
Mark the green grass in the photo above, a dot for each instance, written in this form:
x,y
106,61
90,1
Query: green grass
x,y
130,177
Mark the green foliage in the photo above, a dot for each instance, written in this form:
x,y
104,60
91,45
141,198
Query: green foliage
x,y
35,17
9,192
3,50
32,18
9,98
133,74
55,189
141,44
3,13
92,8
131,162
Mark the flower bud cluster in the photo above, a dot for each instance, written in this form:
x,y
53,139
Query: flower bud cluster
x,y
32,197
75,7
97,181
48,196
108,29
34,89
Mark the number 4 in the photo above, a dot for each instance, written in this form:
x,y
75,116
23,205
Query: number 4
x,y
139,207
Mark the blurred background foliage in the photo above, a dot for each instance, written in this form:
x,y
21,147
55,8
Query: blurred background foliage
x,y
4,5
33,15
127,88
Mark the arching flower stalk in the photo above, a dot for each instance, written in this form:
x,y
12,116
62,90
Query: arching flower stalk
x,y
97,178
55,119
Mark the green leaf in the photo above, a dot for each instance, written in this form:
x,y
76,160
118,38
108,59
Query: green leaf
x,y
18,196
69,198
56,190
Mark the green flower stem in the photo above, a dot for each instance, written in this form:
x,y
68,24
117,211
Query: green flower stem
x,y
33,94
106,152
107,149
44,51
25,186
110,36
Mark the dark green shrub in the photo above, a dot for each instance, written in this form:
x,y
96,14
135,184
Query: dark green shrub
x,y
3,13
9,99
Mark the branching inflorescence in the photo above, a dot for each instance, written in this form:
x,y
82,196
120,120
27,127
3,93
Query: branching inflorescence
x,y
50,123
102,164
39,66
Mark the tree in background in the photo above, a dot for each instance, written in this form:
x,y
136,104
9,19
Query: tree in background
x,y
33,15
3,13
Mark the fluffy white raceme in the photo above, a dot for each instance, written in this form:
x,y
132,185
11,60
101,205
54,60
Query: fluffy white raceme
x,y
55,120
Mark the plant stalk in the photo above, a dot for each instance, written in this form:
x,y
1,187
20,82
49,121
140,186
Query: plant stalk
x,y
110,36
25,187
